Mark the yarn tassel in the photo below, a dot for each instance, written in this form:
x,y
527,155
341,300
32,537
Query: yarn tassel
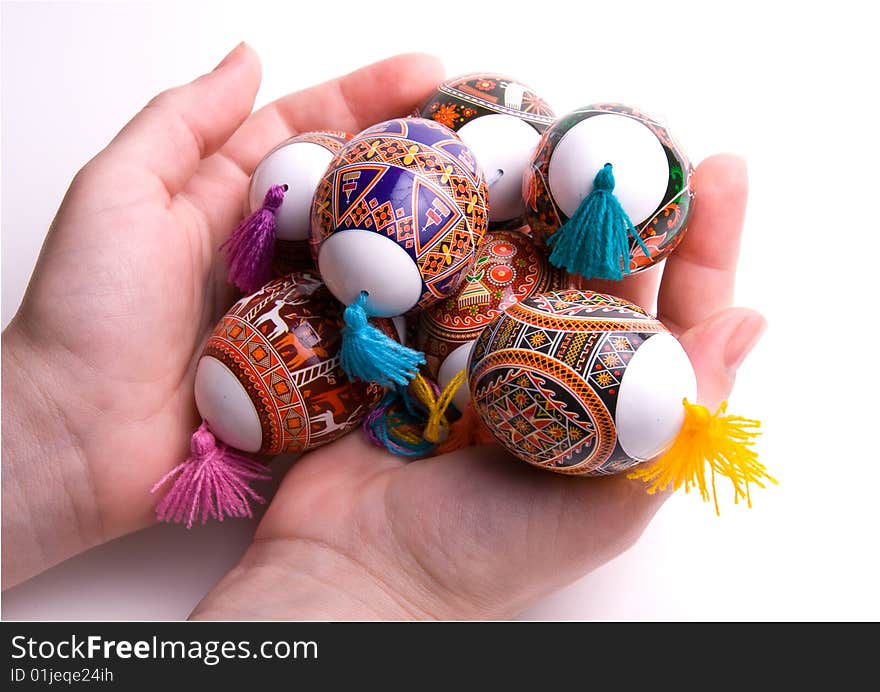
x,y
212,482
411,421
369,355
594,242
396,424
249,249
721,442
437,426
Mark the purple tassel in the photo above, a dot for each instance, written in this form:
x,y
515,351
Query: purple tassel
x,y
250,247
212,482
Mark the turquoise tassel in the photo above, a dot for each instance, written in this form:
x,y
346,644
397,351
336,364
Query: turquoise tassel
x,y
368,355
594,242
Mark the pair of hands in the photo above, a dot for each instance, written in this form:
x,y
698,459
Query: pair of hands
x,y
99,362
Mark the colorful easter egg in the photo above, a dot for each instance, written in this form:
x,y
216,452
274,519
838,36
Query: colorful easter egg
x,y
501,121
580,383
652,178
508,268
270,380
398,216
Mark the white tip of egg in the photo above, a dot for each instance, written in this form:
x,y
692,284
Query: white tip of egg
x,y
502,143
456,362
225,404
298,165
649,405
641,170
357,260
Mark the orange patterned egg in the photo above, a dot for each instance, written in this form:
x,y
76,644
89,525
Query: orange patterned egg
x,y
508,268
270,381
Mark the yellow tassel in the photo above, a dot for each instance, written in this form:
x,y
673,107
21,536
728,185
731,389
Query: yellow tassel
x,y
723,442
436,407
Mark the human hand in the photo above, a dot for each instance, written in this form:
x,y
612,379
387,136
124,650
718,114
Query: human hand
x,y
99,362
354,532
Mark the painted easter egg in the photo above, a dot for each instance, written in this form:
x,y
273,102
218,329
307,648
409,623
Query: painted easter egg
x,y
297,164
501,121
269,379
508,268
398,216
652,177
580,383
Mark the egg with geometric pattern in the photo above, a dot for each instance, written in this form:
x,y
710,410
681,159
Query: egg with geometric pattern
x,y
501,120
398,216
269,379
580,383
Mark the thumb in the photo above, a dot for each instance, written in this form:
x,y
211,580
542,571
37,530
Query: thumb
x,y
717,346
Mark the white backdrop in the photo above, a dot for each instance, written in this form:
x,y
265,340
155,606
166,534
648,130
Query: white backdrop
x,y
788,88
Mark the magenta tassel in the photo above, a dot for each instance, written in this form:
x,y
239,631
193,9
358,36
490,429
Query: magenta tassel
x,y
251,245
213,482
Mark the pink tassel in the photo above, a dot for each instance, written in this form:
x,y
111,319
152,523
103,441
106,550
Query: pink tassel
x,y
213,482
251,245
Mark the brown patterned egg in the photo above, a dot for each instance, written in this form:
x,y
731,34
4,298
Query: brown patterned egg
x,y
269,379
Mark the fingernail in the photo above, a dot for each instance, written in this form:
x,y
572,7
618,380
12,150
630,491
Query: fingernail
x,y
743,340
230,56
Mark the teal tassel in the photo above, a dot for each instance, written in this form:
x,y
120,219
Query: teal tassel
x,y
594,242
368,355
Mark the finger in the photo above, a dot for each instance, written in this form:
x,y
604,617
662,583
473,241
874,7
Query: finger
x,y
699,276
640,288
383,90
181,126
717,347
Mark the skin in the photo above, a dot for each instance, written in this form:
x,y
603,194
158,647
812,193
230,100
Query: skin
x,y
99,362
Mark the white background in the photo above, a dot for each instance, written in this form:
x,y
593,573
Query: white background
x,y
793,88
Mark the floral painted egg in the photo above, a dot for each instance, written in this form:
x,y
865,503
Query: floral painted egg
x,y
270,380
580,383
501,120
652,177
398,216
507,269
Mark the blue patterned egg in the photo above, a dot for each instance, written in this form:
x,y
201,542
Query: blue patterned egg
x,y
398,215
